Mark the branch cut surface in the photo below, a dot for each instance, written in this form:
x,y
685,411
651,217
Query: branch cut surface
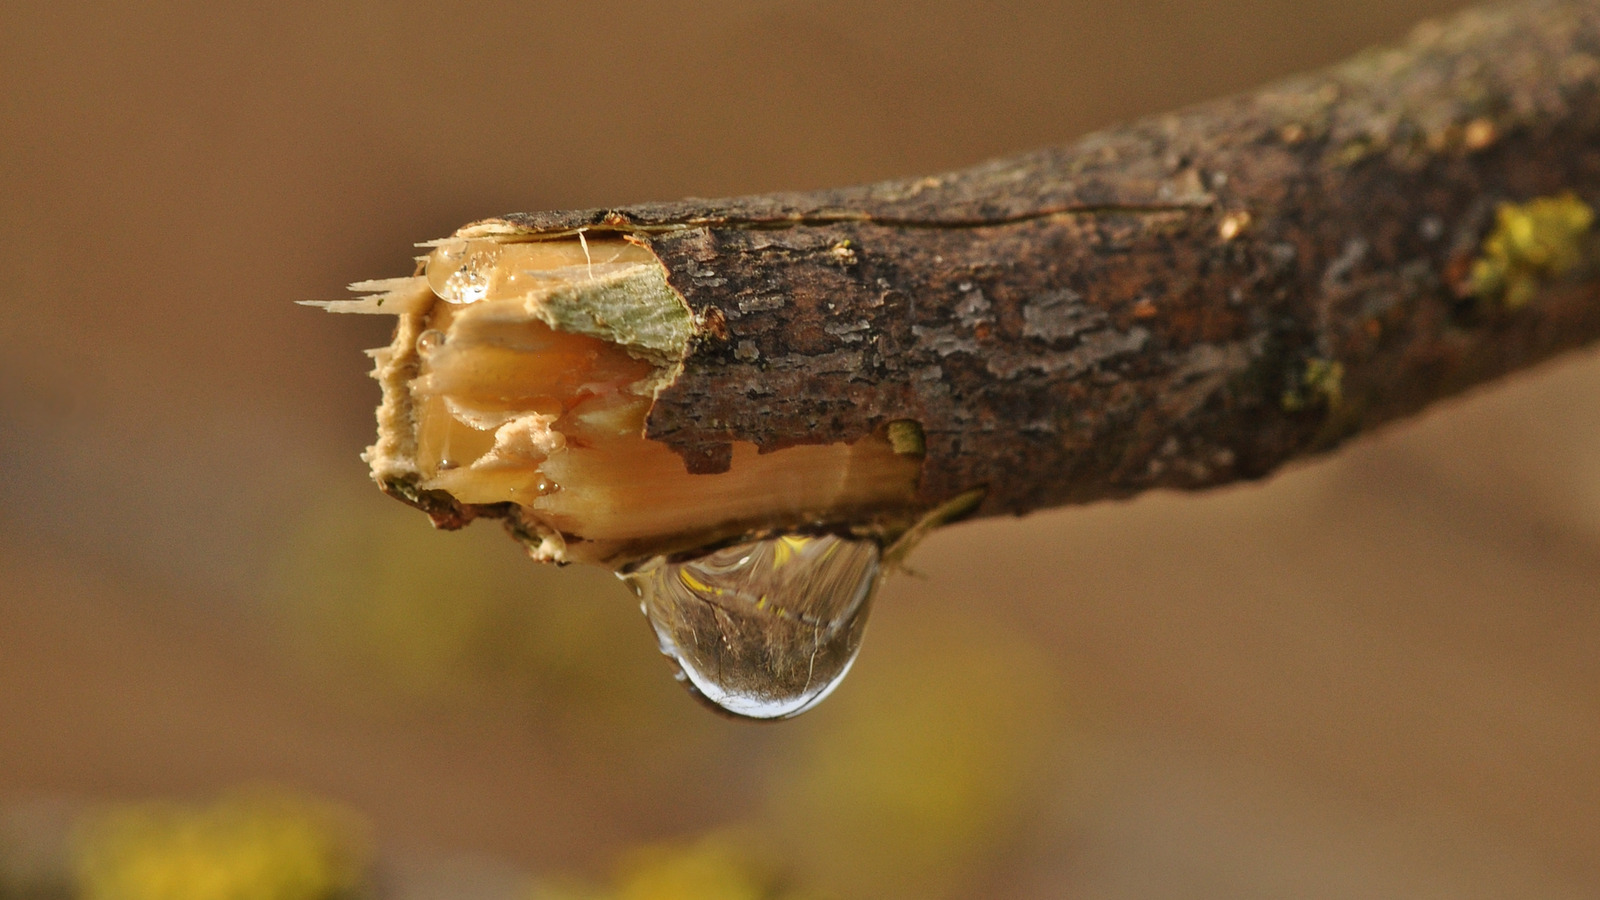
x,y
1181,302
518,386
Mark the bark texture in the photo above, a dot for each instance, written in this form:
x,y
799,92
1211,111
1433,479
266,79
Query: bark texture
x,y
1181,302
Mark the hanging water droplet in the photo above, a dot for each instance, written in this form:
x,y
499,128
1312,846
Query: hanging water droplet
x,y
766,628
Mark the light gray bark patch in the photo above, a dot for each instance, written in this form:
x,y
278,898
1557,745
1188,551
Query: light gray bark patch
x,y
1339,271
943,341
973,309
1204,371
849,332
1212,359
1092,351
1059,315
759,304
839,361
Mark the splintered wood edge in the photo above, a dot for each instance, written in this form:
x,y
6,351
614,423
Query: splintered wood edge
x,y
556,449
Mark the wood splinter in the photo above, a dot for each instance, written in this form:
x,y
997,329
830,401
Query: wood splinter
x,y
1182,302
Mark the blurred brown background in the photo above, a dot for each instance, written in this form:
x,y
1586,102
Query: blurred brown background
x,y
1372,676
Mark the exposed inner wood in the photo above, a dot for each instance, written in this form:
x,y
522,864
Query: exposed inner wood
x,y
513,418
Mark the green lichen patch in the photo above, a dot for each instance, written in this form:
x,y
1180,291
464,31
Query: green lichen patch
x,y
905,437
1531,243
1321,382
634,308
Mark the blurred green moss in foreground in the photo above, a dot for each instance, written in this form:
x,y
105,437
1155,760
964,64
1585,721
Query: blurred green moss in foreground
x,y
368,586
718,866
375,600
911,780
906,785
251,845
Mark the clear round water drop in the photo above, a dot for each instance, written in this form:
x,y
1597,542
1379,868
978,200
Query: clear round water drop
x,y
429,342
459,271
763,629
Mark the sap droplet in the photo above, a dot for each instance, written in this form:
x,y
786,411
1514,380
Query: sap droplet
x,y
764,629
429,341
542,487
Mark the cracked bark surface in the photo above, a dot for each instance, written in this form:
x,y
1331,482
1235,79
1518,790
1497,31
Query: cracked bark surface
x,y
1181,302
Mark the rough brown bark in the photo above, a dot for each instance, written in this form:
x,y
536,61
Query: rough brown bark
x,y
1181,302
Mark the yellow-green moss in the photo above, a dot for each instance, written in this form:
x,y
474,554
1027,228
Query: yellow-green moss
x,y
1322,381
260,845
905,436
1531,243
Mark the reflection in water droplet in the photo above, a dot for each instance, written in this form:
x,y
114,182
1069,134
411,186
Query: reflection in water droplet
x,y
766,628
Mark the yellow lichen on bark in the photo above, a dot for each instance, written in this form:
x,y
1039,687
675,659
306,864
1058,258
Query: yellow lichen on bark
x,y
1531,243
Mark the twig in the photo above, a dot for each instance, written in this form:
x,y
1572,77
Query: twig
x,y
1181,302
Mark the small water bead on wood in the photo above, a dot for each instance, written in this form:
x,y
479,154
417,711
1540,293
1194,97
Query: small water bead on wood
x,y
459,272
762,629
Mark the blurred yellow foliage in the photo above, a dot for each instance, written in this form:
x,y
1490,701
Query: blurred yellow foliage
x,y
709,870
918,766
256,845
428,613
369,585
374,598
715,867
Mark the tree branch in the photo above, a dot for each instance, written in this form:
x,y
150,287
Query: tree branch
x,y
1181,302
